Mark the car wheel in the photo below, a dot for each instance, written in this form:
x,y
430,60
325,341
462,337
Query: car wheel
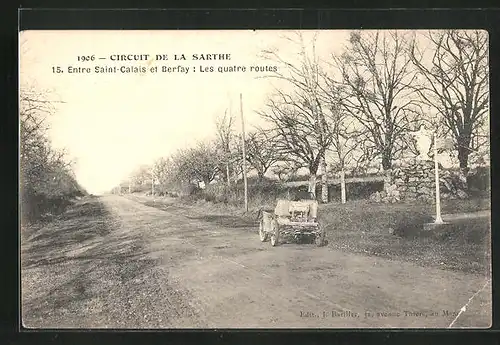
x,y
320,238
275,234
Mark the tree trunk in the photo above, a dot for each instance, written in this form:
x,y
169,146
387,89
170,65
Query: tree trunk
x,y
313,171
386,161
324,182
387,166
342,186
260,175
387,179
312,184
227,175
235,176
463,158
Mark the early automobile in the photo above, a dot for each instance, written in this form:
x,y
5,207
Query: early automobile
x,y
292,220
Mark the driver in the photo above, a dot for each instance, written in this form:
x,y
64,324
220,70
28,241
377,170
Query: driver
x,y
301,195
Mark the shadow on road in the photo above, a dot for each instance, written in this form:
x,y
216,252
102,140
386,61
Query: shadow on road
x,y
84,222
71,266
92,267
78,235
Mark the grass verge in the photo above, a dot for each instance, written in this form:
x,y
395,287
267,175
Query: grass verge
x,y
395,231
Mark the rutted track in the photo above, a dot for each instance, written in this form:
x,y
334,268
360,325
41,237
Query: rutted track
x,y
178,267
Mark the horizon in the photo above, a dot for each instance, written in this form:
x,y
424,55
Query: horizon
x,y
111,123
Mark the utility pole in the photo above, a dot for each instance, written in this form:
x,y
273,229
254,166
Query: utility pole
x,y
228,147
129,186
244,153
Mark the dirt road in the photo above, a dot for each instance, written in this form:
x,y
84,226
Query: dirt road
x,y
132,266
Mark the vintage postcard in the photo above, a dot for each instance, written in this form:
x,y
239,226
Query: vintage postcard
x,y
255,179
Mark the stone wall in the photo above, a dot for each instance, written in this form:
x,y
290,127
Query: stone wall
x,y
415,180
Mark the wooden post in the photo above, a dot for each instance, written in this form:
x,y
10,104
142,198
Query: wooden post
x,y
342,186
244,153
324,182
438,220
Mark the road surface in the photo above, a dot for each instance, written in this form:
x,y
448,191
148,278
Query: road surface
x,y
133,266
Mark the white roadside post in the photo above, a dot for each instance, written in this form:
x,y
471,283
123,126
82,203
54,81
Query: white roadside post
x,y
342,186
438,220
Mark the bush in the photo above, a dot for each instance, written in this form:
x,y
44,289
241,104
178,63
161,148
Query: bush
x,y
34,206
260,192
47,182
50,193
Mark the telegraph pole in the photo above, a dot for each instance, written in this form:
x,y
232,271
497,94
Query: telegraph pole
x,y
244,153
228,147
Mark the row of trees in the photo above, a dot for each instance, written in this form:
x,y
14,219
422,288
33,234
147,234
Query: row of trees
x,y
354,108
219,159
364,103
46,175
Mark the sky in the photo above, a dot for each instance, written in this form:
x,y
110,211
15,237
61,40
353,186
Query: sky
x,y
110,123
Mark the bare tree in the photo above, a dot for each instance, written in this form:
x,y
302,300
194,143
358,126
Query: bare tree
x,y
141,175
298,116
225,136
198,164
46,176
34,145
455,86
345,140
376,78
37,156
364,158
285,170
237,157
163,172
297,136
261,152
